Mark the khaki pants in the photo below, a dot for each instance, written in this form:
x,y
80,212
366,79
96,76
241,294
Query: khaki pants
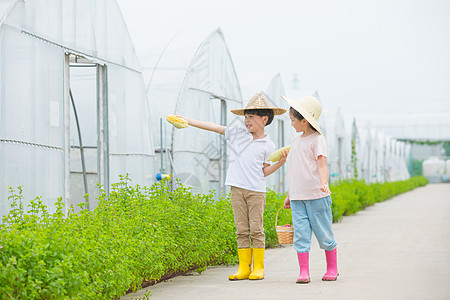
x,y
248,209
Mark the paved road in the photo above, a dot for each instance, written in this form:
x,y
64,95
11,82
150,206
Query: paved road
x,y
397,249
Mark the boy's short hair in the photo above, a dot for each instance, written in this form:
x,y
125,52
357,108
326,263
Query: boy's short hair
x,y
261,113
299,116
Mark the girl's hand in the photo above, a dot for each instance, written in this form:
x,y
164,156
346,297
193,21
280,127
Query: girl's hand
x,y
325,188
287,202
283,156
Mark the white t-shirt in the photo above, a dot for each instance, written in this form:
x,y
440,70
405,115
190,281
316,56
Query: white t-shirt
x,y
303,170
246,159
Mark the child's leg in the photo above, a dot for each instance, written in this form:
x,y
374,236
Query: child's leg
x,y
241,217
243,234
302,226
321,220
302,238
256,202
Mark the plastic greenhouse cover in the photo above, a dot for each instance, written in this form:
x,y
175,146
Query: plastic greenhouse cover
x,y
36,35
97,30
193,76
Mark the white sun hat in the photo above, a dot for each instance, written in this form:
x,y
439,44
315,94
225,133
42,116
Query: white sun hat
x,y
309,107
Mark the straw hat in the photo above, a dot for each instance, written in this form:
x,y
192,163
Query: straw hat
x,y
258,102
309,107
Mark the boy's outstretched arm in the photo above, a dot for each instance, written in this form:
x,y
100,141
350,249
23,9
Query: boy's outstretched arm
x,y
205,125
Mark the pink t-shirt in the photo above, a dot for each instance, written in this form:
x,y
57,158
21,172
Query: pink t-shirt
x,y
303,170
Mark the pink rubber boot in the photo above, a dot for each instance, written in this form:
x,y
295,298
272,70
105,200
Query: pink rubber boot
x,y
303,262
332,272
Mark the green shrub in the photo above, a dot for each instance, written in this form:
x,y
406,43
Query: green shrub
x,y
135,234
139,234
350,196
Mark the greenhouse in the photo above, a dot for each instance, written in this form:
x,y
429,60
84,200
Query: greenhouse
x,y
416,139
193,77
334,131
73,106
379,157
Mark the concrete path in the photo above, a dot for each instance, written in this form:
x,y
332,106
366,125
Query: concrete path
x,y
397,249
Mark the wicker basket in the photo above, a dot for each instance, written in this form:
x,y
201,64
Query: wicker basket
x,y
285,234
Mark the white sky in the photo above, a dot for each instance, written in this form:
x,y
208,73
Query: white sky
x,y
378,56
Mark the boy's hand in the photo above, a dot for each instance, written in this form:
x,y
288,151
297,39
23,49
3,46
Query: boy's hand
x,y
287,202
325,188
184,118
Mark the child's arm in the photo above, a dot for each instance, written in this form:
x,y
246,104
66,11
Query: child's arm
x,y
323,173
287,202
205,125
269,169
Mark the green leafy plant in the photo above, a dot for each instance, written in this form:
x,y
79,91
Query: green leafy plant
x,y
138,236
350,196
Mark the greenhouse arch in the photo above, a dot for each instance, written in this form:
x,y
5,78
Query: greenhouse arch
x,y
73,106
194,78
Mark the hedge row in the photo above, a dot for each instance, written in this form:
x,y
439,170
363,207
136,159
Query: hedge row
x,y
351,196
137,235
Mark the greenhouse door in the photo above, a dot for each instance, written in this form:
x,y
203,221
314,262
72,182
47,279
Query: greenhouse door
x,y
88,160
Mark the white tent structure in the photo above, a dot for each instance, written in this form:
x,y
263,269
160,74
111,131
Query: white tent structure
x,y
364,151
334,132
380,157
193,76
401,161
73,108
434,169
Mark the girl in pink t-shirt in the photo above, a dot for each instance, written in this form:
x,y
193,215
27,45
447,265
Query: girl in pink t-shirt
x,y
309,194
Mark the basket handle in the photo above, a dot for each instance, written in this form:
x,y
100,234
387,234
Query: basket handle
x,y
276,217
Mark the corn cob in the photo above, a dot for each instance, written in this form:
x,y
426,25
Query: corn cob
x,y
275,155
176,121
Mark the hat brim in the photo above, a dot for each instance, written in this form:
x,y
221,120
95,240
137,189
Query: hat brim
x,y
296,105
276,110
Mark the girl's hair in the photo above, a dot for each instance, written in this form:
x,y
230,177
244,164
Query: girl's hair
x,y
261,113
299,116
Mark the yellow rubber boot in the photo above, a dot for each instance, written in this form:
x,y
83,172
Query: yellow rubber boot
x,y
258,264
245,264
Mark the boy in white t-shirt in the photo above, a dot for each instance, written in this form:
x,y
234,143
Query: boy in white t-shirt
x,y
247,169
308,191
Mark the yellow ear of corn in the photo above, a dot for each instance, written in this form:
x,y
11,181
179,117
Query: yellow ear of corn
x,y
275,155
176,121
